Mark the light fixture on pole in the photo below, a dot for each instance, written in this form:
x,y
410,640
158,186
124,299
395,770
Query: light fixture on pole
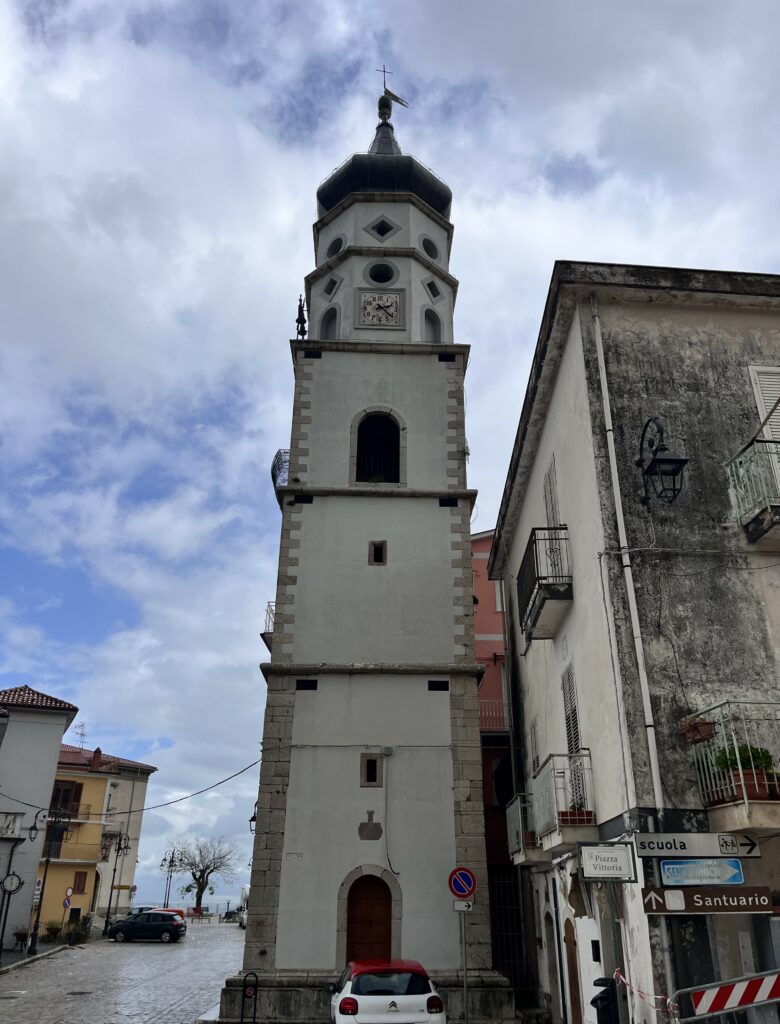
x,y
57,821
661,469
171,863
121,846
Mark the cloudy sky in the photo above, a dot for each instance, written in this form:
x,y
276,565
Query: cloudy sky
x,y
158,165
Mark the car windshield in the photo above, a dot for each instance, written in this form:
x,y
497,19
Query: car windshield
x,y
390,983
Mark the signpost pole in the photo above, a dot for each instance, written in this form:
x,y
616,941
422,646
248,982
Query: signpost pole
x,y
465,976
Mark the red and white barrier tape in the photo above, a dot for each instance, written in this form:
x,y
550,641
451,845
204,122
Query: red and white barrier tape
x,y
661,1004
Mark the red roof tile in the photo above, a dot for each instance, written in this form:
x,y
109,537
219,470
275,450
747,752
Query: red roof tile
x,y
78,757
25,697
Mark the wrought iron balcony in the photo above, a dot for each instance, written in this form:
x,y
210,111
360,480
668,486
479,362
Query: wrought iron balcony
x,y
544,583
280,471
754,482
735,746
562,801
492,716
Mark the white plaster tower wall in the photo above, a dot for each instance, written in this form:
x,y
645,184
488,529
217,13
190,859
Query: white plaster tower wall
x,y
372,656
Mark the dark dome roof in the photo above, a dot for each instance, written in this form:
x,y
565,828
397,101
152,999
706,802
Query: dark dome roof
x,y
384,169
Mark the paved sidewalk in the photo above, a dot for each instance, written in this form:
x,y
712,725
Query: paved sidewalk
x,y
106,982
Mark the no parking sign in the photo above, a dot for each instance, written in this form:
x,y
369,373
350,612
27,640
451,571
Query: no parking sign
x,y
462,883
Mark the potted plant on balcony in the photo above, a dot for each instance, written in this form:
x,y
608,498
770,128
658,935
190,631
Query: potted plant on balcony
x,y
577,814
756,765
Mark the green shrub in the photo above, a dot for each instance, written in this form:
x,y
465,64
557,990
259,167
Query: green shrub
x,y
749,757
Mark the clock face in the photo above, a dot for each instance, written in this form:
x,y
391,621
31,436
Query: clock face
x,y
380,309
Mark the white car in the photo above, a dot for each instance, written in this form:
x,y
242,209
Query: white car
x,y
398,991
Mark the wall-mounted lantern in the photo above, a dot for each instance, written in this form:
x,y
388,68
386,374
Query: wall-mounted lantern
x,y
661,469
253,821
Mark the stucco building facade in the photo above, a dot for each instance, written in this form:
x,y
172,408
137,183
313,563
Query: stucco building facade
x,y
32,725
644,633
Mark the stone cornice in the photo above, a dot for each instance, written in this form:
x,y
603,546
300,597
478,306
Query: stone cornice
x,y
270,668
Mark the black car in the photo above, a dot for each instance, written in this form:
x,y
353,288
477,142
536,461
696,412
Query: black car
x,y
156,924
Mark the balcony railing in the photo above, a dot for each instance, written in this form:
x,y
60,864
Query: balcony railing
x,y
520,830
492,716
270,612
735,746
544,583
74,851
562,792
754,482
77,812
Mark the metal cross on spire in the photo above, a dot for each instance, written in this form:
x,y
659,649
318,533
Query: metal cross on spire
x,y
384,73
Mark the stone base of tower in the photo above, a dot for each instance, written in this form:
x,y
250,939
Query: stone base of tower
x,y
302,997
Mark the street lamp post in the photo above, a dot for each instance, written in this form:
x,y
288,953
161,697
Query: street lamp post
x,y
170,863
56,830
122,845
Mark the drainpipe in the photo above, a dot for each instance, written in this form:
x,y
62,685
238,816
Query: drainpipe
x,y
639,649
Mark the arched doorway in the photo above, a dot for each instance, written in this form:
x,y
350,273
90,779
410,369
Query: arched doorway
x,y
369,919
378,449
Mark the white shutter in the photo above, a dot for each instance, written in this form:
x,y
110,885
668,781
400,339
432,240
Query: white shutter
x,y
766,387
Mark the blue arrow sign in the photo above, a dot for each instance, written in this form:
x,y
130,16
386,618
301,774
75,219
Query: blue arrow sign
x,y
702,871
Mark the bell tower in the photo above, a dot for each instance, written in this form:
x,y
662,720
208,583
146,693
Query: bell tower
x,y
370,786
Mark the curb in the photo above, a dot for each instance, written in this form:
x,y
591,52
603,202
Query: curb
x,y
32,959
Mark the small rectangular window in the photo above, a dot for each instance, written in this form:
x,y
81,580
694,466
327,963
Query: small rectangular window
x,y
80,881
595,951
371,770
304,499
448,502
305,684
377,552
446,357
438,685
312,353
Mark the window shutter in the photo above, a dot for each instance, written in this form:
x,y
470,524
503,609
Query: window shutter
x,y
551,495
570,711
766,386
533,742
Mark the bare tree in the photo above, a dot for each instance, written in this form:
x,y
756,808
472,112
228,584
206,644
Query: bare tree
x,y
205,859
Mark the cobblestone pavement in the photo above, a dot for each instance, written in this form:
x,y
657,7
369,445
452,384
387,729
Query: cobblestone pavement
x,y
104,982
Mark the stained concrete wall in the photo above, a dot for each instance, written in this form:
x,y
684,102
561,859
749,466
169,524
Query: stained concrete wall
x,y
344,718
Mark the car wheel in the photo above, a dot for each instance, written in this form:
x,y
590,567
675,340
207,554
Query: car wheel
x,y
167,937
120,937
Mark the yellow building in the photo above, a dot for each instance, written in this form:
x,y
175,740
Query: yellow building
x,y
101,798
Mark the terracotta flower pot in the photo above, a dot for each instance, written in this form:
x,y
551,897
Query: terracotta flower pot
x,y
698,731
756,783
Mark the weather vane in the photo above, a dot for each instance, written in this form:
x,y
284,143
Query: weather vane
x,y
390,95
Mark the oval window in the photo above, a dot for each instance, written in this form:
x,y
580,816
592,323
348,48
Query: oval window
x,y
381,273
431,248
335,247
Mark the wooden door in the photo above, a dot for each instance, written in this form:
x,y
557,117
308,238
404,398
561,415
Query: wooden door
x,y
573,970
369,919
